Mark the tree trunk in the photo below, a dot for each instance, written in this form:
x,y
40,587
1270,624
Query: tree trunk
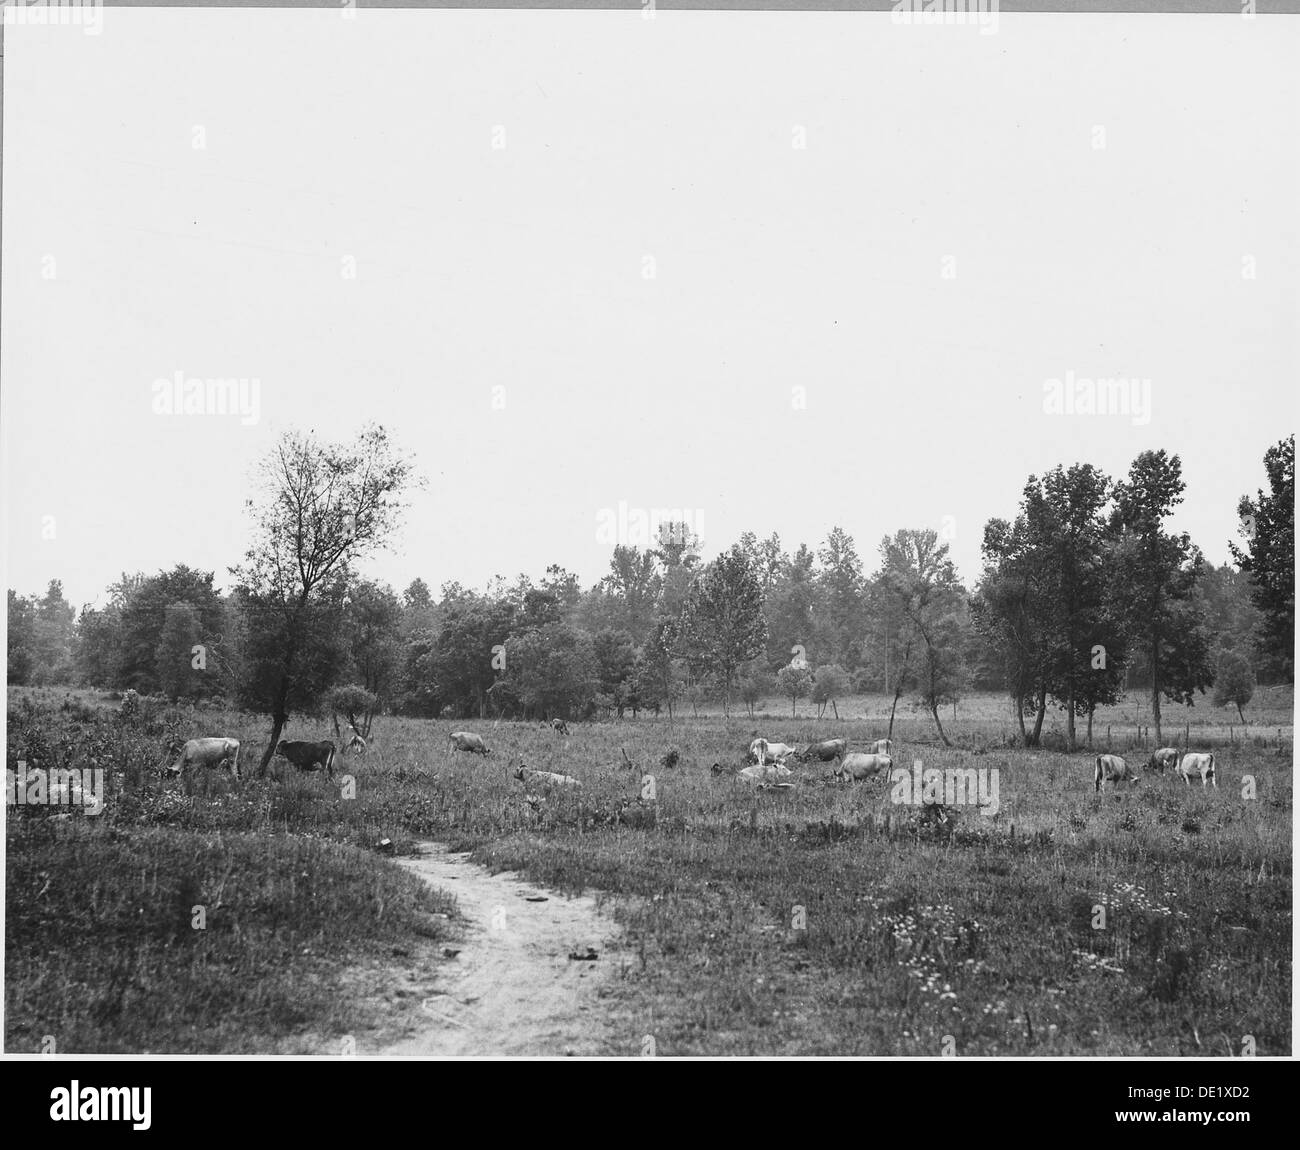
x,y
836,710
279,717
934,710
1091,709
1240,715
892,709
1155,688
1038,719
1069,720
1020,718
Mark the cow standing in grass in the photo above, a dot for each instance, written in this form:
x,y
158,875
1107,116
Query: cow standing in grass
x,y
1111,769
308,756
207,753
467,741
1198,764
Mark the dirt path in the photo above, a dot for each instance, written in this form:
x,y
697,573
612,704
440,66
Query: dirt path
x,y
513,989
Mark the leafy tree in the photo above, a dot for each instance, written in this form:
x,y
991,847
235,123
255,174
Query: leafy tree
x,y
658,681
633,586
53,626
842,595
1234,682
456,669
98,645
919,585
553,670
615,658
1153,577
751,692
722,619
1063,513
144,602
766,558
830,682
178,678
323,506
1268,523
21,638
371,634
355,703
794,682
791,608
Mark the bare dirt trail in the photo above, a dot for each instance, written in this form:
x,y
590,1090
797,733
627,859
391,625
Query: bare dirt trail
x,y
513,988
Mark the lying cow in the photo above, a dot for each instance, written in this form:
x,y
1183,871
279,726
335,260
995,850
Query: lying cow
x,y
308,756
545,778
761,774
762,752
881,747
467,741
1202,765
1111,769
207,753
824,751
1163,759
858,766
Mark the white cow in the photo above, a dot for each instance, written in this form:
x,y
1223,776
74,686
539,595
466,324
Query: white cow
x,y
467,741
762,752
207,753
762,774
858,766
545,778
1111,769
1163,759
881,747
1202,765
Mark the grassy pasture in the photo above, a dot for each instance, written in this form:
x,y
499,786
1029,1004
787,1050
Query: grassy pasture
x,y
825,919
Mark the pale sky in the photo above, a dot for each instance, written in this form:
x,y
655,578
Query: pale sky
x,y
648,268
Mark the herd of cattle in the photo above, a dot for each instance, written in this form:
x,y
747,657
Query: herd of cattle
x,y
768,759
1113,769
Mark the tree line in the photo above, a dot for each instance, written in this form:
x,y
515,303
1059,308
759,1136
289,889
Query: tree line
x,y
1082,595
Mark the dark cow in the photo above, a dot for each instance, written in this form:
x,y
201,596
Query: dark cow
x,y
824,751
561,727
308,756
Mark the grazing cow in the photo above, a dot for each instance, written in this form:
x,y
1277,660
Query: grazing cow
x,y
207,753
825,751
546,778
1202,765
1163,759
858,766
467,741
762,752
1111,769
763,774
308,756
560,726
881,747
356,744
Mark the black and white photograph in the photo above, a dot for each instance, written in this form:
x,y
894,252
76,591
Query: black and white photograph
x,y
622,530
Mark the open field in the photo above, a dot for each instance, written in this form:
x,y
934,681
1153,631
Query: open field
x,y
823,919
